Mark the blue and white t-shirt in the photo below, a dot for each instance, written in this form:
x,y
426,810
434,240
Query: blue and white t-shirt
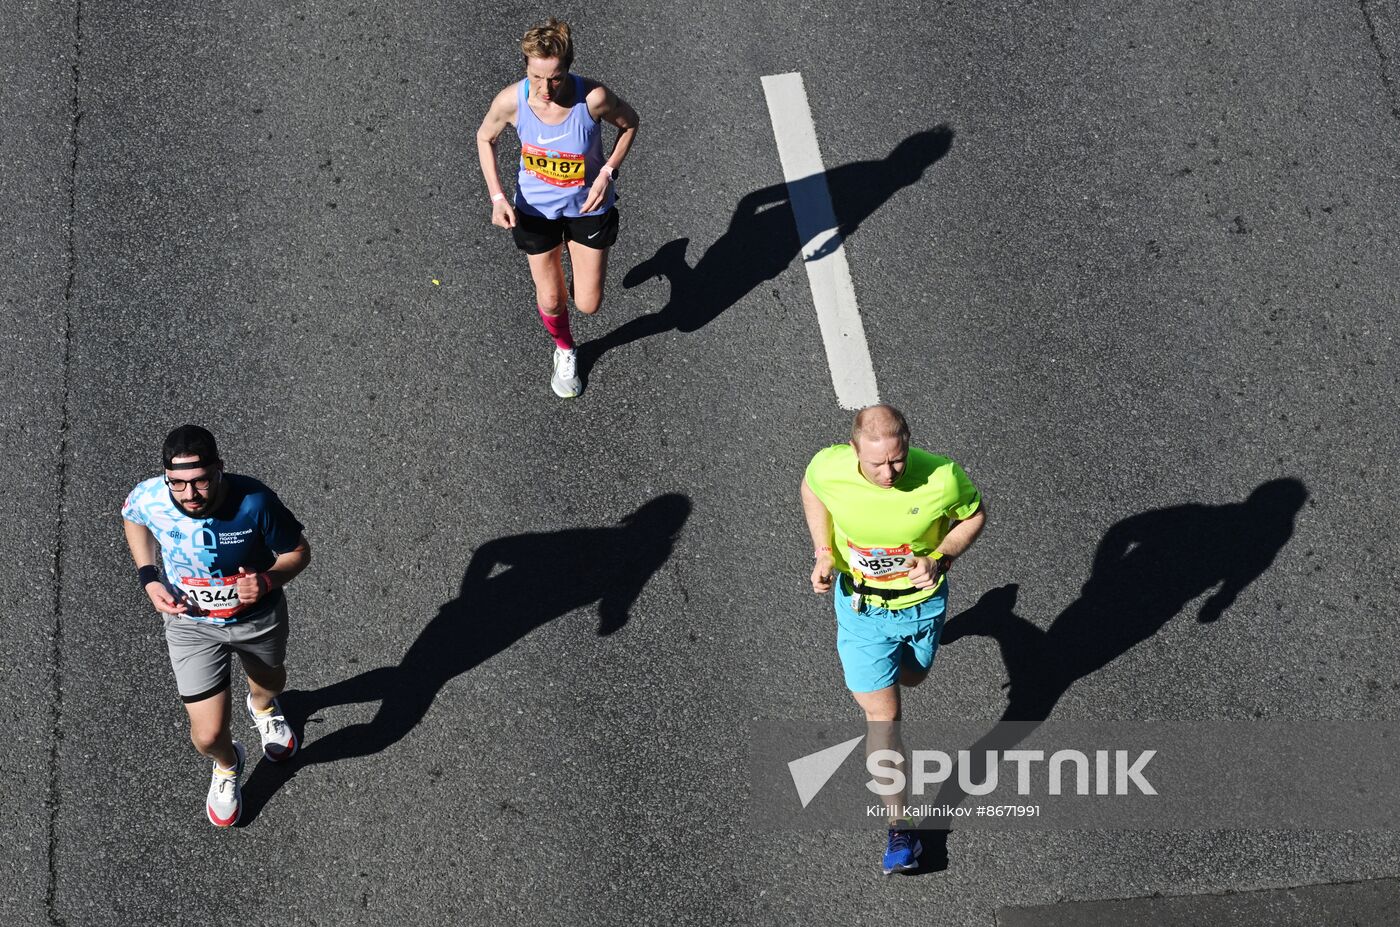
x,y
201,556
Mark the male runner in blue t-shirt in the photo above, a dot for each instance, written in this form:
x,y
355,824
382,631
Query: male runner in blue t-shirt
x,y
227,546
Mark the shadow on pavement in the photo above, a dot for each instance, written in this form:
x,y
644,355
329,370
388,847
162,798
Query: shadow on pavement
x,y
761,242
546,576
1148,567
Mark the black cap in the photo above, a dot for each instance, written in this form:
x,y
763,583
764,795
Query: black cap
x,y
190,441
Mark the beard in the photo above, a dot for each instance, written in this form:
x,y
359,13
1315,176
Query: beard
x,y
206,510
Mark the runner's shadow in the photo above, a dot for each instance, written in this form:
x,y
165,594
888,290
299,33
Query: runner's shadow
x,y
1147,569
545,576
762,240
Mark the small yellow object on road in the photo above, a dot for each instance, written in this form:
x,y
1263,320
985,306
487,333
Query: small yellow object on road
x,y
437,283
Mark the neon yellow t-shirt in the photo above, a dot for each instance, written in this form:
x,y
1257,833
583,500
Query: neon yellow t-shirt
x,y
877,531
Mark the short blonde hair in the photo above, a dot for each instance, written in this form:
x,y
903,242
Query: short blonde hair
x,y
552,40
882,421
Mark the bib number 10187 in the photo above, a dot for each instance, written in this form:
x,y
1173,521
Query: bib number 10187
x,y
559,168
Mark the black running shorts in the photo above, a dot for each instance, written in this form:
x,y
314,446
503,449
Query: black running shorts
x,y
535,235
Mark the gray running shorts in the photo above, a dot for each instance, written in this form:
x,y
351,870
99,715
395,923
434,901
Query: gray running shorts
x,y
202,654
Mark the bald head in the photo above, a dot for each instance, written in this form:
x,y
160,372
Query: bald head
x,y
877,422
880,438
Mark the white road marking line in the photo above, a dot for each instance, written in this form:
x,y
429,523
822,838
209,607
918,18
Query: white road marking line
x,y
847,354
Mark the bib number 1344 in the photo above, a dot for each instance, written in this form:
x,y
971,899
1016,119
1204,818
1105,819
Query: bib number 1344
x,y
216,596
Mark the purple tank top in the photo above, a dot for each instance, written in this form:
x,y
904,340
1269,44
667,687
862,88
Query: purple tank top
x,y
558,164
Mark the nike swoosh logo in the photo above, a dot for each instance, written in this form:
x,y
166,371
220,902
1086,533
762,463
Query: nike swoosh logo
x,y
556,138
596,234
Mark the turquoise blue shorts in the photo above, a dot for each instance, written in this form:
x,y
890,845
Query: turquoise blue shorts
x,y
875,643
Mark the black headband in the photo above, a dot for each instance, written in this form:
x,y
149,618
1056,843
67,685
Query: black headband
x,y
190,464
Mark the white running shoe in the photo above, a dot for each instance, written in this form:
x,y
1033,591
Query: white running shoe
x,y
565,382
225,802
279,741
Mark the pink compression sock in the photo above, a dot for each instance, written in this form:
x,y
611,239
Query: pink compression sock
x,y
558,328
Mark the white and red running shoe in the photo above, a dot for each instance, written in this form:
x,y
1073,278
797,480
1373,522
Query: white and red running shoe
x,y
225,802
279,742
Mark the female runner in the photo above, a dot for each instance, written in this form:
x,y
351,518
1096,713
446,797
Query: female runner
x,y
564,188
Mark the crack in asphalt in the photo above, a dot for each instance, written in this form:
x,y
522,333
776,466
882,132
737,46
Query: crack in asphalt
x,y
69,287
680,583
1386,65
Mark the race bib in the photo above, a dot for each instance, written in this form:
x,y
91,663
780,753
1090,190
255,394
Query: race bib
x,y
560,168
215,596
880,562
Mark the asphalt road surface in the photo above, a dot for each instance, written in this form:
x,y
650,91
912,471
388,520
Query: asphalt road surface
x,y
1147,261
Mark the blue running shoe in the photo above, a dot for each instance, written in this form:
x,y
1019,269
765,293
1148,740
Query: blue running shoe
x,y
902,852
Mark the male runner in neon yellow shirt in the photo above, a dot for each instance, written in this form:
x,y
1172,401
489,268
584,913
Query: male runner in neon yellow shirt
x,y
887,521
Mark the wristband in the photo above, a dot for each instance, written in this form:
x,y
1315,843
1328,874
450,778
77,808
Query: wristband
x,y
147,575
498,197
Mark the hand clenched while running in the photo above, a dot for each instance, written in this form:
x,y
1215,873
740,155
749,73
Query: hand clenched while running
x,y
924,574
502,214
250,586
926,571
597,193
163,600
823,573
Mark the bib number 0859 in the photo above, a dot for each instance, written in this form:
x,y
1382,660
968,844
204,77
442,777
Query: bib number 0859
x,y
881,562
